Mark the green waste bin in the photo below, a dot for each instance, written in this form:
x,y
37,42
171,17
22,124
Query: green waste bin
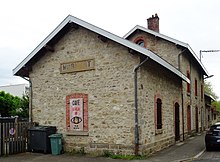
x,y
56,143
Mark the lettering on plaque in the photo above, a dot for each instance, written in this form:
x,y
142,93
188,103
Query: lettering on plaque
x,y
76,66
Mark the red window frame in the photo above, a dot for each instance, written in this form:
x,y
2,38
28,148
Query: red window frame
x,y
159,114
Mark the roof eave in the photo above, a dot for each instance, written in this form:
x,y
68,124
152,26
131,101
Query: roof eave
x,y
176,42
104,33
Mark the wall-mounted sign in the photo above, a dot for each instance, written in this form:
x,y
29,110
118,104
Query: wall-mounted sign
x,y
12,131
76,114
75,66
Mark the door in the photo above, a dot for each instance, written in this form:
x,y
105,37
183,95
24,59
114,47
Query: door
x,y
188,119
197,120
177,122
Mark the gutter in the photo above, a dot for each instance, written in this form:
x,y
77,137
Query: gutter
x,y
30,99
182,98
136,106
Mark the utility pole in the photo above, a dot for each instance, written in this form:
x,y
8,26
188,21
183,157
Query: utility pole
x,y
200,52
203,111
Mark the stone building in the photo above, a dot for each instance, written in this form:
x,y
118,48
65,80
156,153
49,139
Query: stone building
x,y
210,111
104,92
181,56
16,89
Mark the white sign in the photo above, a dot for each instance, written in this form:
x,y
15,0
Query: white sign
x,y
76,114
12,131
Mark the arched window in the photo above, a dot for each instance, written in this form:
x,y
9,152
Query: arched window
x,y
159,114
140,43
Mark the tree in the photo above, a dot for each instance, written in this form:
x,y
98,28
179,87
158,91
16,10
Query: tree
x,y
8,103
25,106
13,106
217,105
209,90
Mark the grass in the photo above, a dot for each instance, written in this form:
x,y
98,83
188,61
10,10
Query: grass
x,y
109,154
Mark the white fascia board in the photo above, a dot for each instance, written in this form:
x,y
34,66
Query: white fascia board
x,y
130,45
155,34
210,96
107,35
198,60
175,41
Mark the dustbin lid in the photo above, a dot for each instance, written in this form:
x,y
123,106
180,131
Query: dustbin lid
x,y
57,135
42,128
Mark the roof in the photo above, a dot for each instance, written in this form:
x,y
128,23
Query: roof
x,y
176,42
20,70
209,96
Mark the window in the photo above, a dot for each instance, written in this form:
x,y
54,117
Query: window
x,y
188,118
196,88
159,114
140,43
188,84
201,92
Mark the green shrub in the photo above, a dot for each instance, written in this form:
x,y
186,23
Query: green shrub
x,y
107,153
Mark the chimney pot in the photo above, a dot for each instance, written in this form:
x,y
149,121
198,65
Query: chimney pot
x,y
153,23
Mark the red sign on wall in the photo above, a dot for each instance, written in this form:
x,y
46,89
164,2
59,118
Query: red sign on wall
x,y
77,112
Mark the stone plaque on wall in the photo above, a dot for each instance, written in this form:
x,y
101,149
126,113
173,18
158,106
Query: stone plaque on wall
x,y
76,66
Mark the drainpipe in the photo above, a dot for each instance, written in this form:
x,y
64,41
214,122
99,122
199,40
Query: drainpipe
x,y
179,67
191,96
182,113
136,106
30,99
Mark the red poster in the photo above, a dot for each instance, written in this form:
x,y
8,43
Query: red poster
x,y
76,114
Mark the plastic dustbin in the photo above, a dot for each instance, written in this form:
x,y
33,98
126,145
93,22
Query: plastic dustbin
x,y
56,143
39,138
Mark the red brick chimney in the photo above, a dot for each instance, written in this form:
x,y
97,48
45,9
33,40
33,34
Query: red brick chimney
x,y
153,23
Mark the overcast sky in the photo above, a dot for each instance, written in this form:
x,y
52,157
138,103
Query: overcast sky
x,y
25,23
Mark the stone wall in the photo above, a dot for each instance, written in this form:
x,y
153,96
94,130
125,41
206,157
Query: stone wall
x,y
175,55
155,82
163,48
109,87
110,90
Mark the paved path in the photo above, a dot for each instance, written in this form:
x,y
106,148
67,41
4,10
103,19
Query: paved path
x,y
189,149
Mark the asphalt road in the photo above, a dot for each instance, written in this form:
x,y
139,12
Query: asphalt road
x,y
209,156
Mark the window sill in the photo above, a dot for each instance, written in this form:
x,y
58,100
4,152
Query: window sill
x,y
79,133
158,131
